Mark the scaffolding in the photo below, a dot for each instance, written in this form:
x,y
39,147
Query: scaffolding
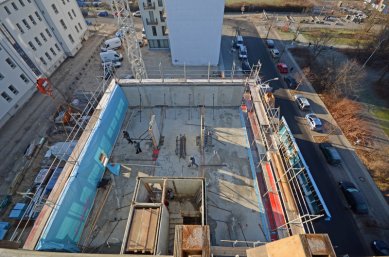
x,y
293,181
37,200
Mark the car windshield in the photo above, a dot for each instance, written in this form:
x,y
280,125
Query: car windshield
x,y
352,190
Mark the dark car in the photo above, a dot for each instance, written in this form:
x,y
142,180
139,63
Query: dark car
x,y
103,14
290,82
380,248
246,66
330,153
354,197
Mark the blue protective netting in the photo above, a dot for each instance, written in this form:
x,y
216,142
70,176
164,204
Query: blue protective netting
x,y
67,221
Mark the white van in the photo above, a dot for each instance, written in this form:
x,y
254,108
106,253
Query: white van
x,y
110,56
111,44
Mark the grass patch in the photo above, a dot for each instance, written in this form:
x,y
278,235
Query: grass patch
x,y
340,36
266,3
382,114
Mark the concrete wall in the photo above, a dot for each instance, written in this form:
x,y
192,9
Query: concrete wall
x,y
185,187
195,31
163,236
184,95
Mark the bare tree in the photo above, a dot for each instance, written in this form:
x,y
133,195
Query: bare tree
x,y
320,42
373,20
270,24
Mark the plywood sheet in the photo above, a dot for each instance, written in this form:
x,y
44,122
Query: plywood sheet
x,y
143,229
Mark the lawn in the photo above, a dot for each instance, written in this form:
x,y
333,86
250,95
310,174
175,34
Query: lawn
x,y
382,114
340,36
266,3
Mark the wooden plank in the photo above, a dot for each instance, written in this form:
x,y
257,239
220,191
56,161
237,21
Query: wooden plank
x,y
228,251
142,230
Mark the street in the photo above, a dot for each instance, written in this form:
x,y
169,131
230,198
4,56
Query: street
x,y
342,229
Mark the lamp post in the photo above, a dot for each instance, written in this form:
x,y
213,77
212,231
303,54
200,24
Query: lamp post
x,y
276,78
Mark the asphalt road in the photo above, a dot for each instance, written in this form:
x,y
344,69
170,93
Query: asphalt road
x,y
342,229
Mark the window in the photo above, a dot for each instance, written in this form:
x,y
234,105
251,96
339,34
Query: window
x,y
63,1
63,24
21,2
26,24
77,29
59,49
24,78
13,89
70,16
37,41
74,13
160,4
79,25
38,16
1,76
43,37
154,29
48,33
53,52
48,56
7,10
14,6
19,27
43,61
32,19
31,45
164,32
29,1
54,8
71,38
6,97
10,63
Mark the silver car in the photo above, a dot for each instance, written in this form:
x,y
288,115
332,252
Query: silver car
x,y
314,122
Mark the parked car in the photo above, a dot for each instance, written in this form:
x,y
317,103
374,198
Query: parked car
x,y
331,154
290,82
302,102
242,52
380,248
89,23
136,14
265,88
282,68
246,66
238,41
275,53
314,122
270,43
354,197
115,64
108,71
103,14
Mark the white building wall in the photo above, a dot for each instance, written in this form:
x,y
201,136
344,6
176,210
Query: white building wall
x,y
16,81
195,29
152,14
66,21
33,34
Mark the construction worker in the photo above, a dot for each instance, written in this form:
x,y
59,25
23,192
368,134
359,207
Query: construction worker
x,y
137,147
193,162
127,137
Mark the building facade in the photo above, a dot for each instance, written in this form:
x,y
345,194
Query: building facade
x,y
195,29
154,23
36,36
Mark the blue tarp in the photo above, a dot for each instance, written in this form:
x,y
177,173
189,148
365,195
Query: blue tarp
x,y
67,221
53,180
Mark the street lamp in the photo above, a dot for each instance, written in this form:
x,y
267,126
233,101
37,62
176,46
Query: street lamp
x,y
276,78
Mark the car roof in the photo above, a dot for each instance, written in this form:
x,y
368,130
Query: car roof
x,y
239,37
270,41
274,50
242,47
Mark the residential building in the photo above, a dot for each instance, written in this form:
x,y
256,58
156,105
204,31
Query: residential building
x,y
191,29
154,22
35,37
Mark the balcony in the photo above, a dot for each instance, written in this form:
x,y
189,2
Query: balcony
x,y
152,22
149,6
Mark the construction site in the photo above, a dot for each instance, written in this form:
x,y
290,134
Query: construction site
x,y
193,165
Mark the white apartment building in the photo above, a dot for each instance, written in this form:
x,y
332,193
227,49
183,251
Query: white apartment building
x,y
191,29
36,36
195,29
154,23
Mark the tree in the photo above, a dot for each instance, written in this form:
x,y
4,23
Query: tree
x,y
320,42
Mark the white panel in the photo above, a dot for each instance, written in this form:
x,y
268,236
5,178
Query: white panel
x,y
195,31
